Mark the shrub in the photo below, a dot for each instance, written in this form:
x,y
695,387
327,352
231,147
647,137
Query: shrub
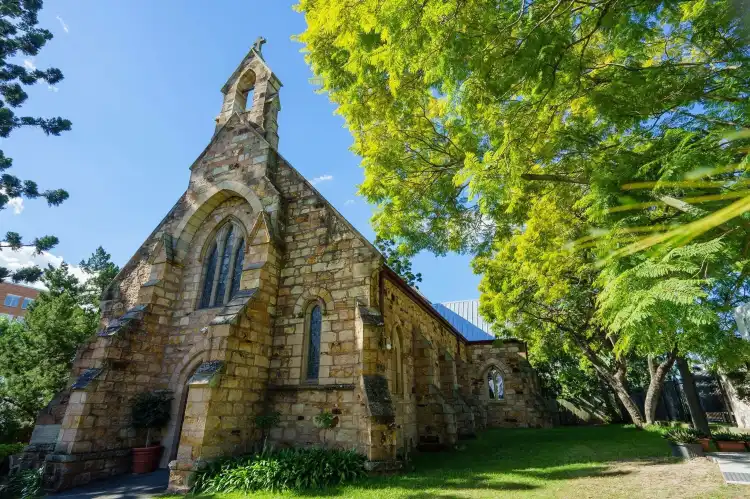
x,y
295,469
10,449
324,420
729,436
681,436
25,484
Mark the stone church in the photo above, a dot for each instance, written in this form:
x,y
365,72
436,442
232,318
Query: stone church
x,y
254,295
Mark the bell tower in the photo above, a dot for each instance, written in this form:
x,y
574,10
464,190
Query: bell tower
x,y
253,92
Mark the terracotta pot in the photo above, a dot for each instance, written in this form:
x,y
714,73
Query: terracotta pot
x,y
727,446
705,443
146,459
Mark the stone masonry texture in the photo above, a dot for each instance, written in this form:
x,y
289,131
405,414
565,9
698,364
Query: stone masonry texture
x,y
395,374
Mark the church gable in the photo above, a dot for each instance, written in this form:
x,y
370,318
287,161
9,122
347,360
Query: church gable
x,y
255,295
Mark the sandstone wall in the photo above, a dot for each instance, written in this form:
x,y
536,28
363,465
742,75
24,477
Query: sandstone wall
x,y
522,405
327,263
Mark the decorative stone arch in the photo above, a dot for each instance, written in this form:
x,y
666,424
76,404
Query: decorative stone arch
x,y
241,90
215,230
498,364
501,367
178,384
310,295
396,358
203,205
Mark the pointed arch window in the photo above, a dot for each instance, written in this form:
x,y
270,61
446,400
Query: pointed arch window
x,y
315,322
495,384
398,368
223,267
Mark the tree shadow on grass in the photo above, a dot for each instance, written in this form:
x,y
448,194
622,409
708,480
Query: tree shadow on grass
x,y
415,489
418,484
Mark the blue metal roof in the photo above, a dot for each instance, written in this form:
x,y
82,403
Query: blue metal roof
x,y
464,316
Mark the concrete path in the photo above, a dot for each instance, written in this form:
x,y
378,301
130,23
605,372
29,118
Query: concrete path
x,y
734,466
120,487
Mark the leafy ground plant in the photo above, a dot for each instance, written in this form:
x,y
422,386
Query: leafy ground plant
x,y
287,469
25,484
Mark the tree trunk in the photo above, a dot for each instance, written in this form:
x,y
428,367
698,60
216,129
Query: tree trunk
x,y
617,380
658,374
697,414
613,408
633,411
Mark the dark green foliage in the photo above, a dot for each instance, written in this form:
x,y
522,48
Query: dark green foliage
x,y
25,484
729,436
102,271
397,261
287,469
151,410
10,449
36,355
267,421
325,419
20,36
681,435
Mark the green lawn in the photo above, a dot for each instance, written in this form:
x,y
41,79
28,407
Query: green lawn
x,y
569,462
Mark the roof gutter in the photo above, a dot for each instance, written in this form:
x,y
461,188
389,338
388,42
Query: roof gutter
x,y
387,273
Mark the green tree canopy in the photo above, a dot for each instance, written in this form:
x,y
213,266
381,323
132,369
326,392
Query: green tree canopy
x,y
36,355
553,140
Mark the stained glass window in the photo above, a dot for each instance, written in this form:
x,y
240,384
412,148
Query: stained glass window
x,y
313,349
237,271
226,255
223,268
208,281
495,384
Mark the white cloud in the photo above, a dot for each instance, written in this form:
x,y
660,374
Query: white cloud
x,y
52,88
26,257
29,64
62,23
322,178
348,202
16,204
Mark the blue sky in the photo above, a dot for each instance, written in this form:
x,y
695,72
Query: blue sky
x,y
142,88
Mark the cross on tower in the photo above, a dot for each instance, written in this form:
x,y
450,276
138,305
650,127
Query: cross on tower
x,y
258,45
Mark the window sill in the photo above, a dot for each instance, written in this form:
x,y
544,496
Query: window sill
x,y
311,386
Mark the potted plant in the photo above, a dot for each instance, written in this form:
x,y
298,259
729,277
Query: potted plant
x,y
684,443
704,439
150,411
728,441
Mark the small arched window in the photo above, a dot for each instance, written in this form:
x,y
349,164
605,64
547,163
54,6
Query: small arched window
x,y
314,326
223,267
495,384
397,362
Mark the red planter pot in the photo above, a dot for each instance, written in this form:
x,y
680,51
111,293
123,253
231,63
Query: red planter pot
x,y
727,446
705,443
146,459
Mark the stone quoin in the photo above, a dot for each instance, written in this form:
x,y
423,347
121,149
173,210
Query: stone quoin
x,y
255,295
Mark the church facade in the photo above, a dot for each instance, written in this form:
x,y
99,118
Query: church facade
x,y
254,295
